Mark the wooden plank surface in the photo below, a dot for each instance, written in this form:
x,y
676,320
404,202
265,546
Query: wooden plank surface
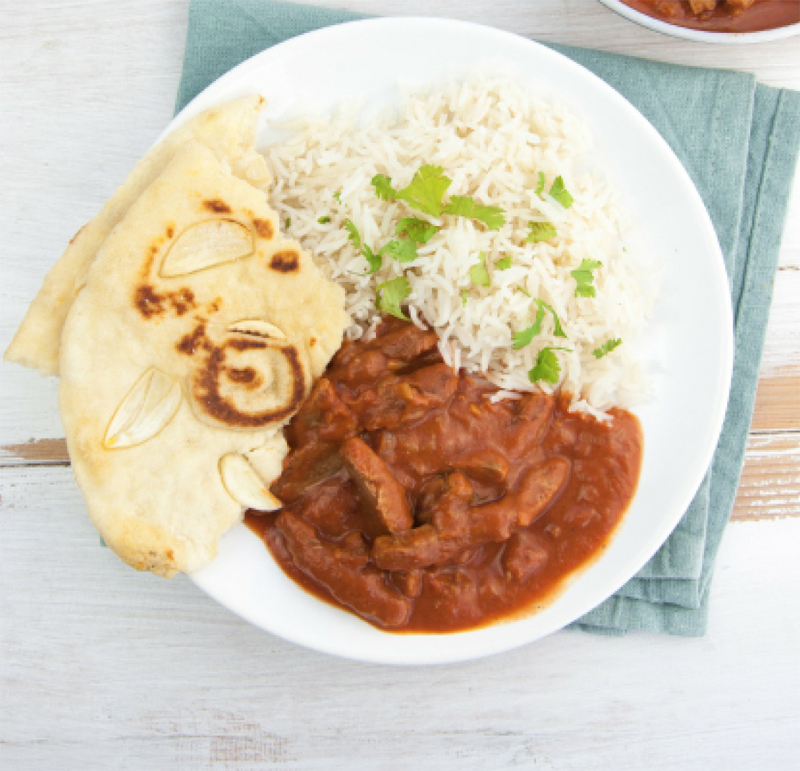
x,y
146,673
104,668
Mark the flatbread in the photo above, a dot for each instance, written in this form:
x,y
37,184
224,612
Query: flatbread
x,y
229,131
198,332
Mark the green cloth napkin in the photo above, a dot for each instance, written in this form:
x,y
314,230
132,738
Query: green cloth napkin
x,y
739,142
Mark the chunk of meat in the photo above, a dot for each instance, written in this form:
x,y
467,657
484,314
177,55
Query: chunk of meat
x,y
385,496
406,341
418,548
332,507
740,5
324,416
305,467
454,527
449,512
345,573
485,465
396,400
525,553
409,583
699,6
540,487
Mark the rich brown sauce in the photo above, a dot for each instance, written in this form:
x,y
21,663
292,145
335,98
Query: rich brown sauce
x,y
415,502
725,17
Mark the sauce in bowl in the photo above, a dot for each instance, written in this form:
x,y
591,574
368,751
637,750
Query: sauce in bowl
x,y
723,16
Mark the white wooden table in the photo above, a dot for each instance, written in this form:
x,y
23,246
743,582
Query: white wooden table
x,y
102,668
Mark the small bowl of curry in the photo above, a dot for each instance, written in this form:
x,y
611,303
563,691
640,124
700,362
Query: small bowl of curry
x,y
714,21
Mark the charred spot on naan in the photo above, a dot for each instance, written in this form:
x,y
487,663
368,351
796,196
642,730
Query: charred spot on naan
x,y
217,382
286,261
151,303
217,206
264,228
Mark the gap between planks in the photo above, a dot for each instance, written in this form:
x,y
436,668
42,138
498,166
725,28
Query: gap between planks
x,y
769,487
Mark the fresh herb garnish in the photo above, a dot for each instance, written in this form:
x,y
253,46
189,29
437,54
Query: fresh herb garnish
x,y
402,250
606,347
504,263
557,329
584,278
478,274
560,193
464,297
338,196
374,260
465,206
523,290
324,220
424,192
525,337
547,366
383,187
540,231
416,229
287,223
540,187
390,294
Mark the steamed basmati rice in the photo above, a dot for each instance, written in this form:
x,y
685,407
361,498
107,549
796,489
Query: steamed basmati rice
x,y
492,139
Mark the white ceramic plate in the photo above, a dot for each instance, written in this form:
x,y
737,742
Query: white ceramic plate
x,y
699,35
692,334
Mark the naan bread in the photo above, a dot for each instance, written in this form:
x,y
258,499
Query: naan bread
x,y
229,131
198,332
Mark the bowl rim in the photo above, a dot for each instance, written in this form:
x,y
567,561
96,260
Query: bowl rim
x,y
698,35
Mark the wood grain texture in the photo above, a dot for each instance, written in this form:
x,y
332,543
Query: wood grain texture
x,y
104,668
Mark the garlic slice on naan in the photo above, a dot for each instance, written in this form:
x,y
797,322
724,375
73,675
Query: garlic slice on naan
x,y
229,131
241,337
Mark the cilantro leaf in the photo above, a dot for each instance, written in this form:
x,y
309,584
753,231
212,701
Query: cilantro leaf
x,y
425,191
523,290
402,250
383,187
540,231
338,196
464,297
606,347
390,294
324,220
560,193
374,260
584,278
547,366
287,223
478,274
352,234
540,187
417,230
525,337
521,339
557,329
465,206
504,263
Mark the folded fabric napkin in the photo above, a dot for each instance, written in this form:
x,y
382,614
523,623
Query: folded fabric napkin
x,y
739,142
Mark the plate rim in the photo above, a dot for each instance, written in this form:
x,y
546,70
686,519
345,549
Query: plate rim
x,y
205,99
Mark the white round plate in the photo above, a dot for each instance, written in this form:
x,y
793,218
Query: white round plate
x,y
699,35
692,333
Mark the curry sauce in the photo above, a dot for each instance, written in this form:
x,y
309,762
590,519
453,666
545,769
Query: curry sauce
x,y
415,501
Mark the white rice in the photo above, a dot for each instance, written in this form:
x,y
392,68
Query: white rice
x,y
492,139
